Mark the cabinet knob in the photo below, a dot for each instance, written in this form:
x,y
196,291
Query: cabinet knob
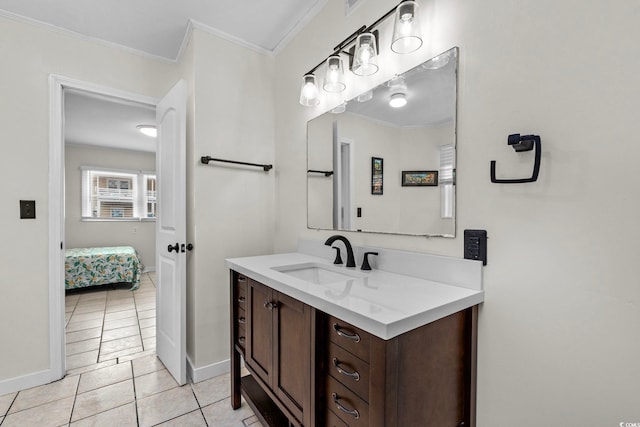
x,y
271,305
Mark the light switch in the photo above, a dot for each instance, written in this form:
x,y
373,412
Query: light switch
x,y
27,209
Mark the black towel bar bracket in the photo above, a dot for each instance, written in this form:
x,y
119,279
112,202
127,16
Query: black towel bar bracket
x,y
519,144
206,159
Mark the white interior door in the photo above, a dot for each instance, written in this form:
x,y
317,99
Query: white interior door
x,y
171,232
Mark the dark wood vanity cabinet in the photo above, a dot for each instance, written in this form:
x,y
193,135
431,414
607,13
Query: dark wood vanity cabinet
x,y
308,368
277,350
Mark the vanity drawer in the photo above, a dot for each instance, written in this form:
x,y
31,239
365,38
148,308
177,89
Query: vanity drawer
x,y
349,370
332,420
344,403
349,337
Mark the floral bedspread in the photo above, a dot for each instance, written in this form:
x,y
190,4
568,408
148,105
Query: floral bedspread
x,y
100,266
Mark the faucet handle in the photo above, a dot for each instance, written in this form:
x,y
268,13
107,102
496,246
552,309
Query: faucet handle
x,y
365,261
338,257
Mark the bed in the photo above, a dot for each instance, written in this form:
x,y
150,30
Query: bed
x,y
101,266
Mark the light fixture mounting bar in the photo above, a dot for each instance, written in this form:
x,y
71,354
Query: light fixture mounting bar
x,y
350,39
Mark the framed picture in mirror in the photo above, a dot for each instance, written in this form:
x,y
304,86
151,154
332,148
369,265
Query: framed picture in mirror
x,y
377,169
419,178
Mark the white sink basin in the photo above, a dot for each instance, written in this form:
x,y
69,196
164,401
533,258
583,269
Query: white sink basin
x,y
318,273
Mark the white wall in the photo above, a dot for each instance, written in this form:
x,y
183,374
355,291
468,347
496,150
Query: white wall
x,y
231,207
81,234
29,54
558,338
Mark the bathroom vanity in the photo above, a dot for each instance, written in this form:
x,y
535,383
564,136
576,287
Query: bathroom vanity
x,y
327,345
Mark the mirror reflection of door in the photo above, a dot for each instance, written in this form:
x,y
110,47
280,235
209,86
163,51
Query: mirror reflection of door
x,y
343,181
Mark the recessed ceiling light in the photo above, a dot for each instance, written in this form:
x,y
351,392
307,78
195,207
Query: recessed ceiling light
x,y
398,100
149,130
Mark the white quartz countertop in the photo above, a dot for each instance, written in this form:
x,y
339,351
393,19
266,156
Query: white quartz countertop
x,y
382,303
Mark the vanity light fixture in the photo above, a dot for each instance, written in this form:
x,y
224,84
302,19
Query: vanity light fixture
x,y
334,76
148,130
363,54
309,94
406,29
365,58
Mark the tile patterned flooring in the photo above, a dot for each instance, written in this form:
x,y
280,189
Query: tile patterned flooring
x,y
113,375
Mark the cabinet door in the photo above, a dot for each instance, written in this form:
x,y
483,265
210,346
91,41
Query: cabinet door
x,y
259,330
292,367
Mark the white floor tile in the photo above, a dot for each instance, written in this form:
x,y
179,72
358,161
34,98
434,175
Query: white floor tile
x,y
81,359
146,365
5,401
192,419
82,346
37,396
104,377
165,406
154,383
221,414
52,414
83,335
212,390
102,399
122,416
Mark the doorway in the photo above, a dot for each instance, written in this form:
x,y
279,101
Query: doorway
x,y
171,139
110,205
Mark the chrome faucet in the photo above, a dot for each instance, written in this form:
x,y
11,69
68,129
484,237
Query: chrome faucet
x,y
351,261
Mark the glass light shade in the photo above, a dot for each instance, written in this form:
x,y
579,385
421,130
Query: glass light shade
x,y
366,96
149,130
437,62
334,76
365,57
309,94
407,36
340,108
398,100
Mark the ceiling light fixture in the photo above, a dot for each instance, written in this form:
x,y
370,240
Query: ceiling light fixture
x,y
148,130
398,100
363,54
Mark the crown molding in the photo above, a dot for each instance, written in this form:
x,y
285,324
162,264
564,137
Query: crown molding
x,y
70,33
299,26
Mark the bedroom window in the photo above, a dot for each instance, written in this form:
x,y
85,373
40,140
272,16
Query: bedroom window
x,y
118,195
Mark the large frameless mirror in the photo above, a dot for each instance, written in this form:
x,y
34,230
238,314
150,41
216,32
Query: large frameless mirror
x,y
384,162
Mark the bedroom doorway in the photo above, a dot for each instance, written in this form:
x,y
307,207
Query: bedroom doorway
x,y
172,138
109,234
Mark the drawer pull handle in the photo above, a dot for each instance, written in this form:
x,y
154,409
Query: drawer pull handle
x,y
355,337
241,340
241,319
242,279
271,305
353,412
355,375
242,299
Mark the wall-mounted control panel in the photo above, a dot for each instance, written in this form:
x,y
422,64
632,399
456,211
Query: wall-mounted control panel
x,y
475,245
27,209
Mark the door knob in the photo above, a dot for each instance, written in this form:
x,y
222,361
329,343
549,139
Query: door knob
x,y
188,247
175,247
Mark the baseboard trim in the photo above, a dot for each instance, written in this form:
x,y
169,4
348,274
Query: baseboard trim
x,y
26,381
208,371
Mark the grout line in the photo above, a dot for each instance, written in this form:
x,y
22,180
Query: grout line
x,y
75,398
